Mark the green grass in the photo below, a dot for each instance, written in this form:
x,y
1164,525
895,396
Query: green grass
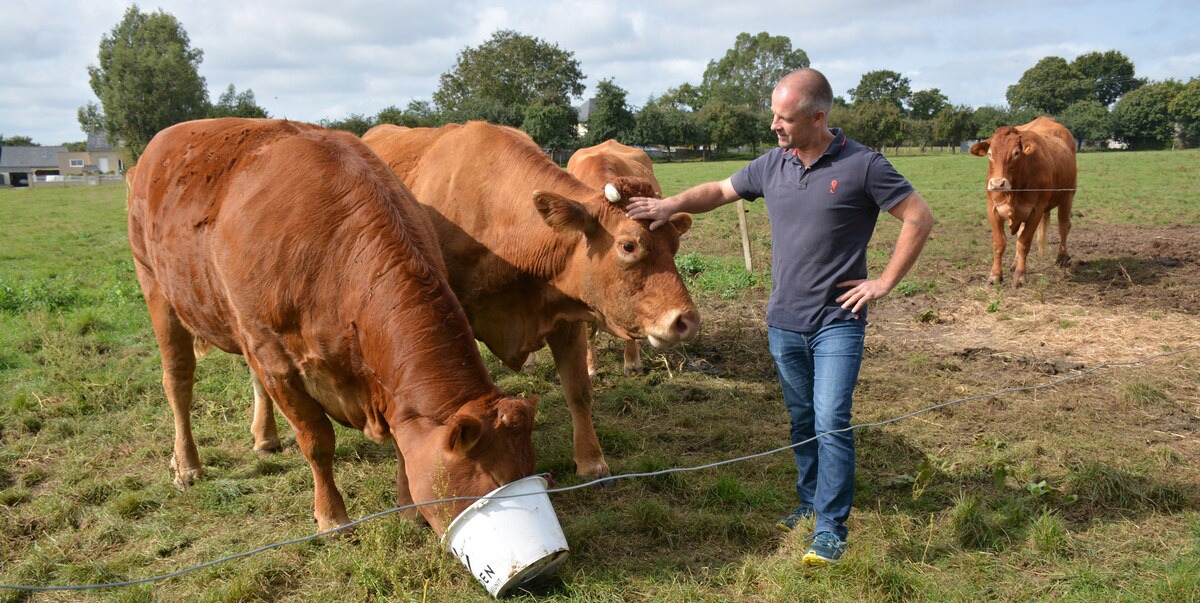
x,y
1077,493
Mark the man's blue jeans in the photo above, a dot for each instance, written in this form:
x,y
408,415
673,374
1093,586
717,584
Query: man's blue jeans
x,y
818,371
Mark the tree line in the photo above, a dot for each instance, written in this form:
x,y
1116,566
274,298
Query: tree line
x,y
148,79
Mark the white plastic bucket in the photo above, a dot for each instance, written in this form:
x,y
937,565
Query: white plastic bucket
x,y
506,542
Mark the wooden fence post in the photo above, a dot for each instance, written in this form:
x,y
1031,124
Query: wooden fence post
x,y
741,210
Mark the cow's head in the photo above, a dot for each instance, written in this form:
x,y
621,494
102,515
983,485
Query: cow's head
x,y
621,269
482,446
1006,151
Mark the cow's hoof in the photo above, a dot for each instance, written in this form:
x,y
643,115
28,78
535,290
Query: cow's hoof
x,y
185,478
597,475
995,279
268,447
1063,260
634,370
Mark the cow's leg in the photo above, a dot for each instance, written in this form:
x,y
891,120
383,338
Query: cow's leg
x,y
263,427
999,242
530,365
1024,241
403,493
179,373
1064,227
633,358
592,360
568,344
314,436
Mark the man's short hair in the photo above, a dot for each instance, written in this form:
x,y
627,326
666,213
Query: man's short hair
x,y
817,94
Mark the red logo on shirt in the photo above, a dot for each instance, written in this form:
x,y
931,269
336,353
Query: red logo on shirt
x,y
833,186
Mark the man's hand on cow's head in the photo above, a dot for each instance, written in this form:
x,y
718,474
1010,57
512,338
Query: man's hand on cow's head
x,y
658,211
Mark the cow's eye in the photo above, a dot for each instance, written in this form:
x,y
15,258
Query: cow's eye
x,y
628,247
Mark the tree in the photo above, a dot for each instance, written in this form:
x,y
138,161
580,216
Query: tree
x,y
1088,121
1110,73
988,118
748,72
661,122
417,114
235,104
355,123
729,125
686,97
17,141
1185,110
924,104
612,117
506,74
147,78
551,125
1142,117
874,123
1050,86
91,118
881,86
954,123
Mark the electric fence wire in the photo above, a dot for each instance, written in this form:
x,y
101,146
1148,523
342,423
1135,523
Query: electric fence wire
x,y
593,483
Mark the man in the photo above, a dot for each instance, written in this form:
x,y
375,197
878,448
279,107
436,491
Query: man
x,y
823,194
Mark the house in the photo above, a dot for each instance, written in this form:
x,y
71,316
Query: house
x,y
21,166
26,166
584,111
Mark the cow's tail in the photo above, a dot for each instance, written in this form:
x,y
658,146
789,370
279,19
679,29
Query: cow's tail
x,y
1041,234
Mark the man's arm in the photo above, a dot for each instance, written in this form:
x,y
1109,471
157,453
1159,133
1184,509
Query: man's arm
x,y
917,224
695,200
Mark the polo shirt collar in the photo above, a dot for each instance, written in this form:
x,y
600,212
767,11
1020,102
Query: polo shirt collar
x,y
835,147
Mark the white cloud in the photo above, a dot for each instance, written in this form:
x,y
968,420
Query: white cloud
x,y
311,59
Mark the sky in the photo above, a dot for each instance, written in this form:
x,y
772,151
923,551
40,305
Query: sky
x,y
311,60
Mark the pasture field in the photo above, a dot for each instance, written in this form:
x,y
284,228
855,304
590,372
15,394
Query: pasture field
x,y
1088,490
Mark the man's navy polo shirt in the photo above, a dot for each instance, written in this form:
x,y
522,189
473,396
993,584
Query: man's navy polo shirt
x,y
822,218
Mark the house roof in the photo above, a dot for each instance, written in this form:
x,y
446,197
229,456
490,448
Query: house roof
x,y
97,142
585,110
14,158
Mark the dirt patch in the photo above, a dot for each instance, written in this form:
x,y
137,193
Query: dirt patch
x,y
1126,295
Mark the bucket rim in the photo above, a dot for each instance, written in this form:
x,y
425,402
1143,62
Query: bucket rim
x,y
486,498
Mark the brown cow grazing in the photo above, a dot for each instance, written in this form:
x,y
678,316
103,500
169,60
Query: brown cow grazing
x,y
597,166
297,248
1031,170
534,254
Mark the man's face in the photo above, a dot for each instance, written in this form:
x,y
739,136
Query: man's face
x,y
793,128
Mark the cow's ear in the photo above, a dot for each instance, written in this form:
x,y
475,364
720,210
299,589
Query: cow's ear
x,y
682,222
563,214
1029,147
465,432
981,148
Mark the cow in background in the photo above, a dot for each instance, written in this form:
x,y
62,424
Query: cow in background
x,y
1031,170
535,255
597,167
297,248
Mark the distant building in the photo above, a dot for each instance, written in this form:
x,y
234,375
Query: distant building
x,y
21,166
26,166
584,111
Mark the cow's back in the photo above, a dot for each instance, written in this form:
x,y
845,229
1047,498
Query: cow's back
x,y
205,224
602,163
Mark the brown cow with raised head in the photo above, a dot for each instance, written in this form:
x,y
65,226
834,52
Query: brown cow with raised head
x,y
534,254
296,247
1031,170
597,166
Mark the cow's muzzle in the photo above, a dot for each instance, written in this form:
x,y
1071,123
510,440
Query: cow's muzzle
x,y
999,184
677,326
